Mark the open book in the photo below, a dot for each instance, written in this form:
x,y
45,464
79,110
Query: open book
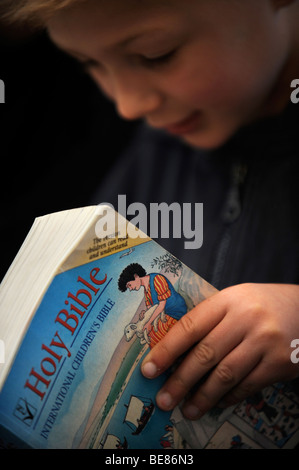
x,y
73,339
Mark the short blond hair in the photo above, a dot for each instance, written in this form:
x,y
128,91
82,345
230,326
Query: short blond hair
x,y
34,12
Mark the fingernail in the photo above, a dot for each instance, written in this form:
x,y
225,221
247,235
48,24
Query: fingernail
x,y
165,400
149,370
192,412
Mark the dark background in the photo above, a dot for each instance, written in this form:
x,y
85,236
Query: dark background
x,y
58,135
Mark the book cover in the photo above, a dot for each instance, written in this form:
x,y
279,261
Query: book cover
x,y
76,380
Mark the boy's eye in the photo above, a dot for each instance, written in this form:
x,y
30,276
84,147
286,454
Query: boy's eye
x,y
147,60
160,59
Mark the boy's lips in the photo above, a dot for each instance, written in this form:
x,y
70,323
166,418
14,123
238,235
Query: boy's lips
x,y
185,126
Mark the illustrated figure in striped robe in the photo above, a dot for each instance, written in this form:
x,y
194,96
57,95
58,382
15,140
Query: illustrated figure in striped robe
x,y
159,291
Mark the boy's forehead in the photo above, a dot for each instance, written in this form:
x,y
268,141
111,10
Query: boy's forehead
x,y
114,21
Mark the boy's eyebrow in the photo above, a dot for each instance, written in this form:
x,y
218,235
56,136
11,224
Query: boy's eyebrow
x,y
123,43
152,34
137,36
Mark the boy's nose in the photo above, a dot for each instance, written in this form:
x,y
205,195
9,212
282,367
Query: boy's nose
x,y
135,106
136,101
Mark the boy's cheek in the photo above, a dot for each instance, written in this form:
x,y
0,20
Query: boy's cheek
x,y
206,89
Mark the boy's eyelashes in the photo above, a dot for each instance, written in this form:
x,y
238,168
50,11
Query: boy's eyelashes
x,y
160,59
146,60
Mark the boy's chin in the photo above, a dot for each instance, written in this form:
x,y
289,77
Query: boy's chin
x,y
209,140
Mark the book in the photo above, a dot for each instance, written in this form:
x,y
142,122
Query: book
x,y
75,331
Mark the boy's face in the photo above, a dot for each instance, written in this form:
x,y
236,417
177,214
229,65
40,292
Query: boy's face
x,y
199,69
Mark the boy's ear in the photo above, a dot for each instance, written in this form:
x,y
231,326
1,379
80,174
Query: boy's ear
x,y
281,3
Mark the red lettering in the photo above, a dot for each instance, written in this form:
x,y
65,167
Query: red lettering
x,y
97,281
50,361
80,301
34,388
87,285
68,317
60,345
76,309
54,354
70,321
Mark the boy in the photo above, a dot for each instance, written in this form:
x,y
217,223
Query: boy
x,y
216,74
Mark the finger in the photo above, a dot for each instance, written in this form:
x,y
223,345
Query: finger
x,y
254,382
191,328
201,359
228,375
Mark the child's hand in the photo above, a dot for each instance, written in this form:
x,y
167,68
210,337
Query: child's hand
x,y
241,335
